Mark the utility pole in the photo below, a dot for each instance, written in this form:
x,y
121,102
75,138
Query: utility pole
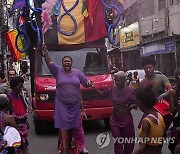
x,y
3,29
1,23
166,18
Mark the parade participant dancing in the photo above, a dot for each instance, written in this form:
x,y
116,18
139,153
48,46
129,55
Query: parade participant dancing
x,y
67,102
121,121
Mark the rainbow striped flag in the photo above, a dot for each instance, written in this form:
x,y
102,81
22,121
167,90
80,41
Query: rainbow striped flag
x,y
10,38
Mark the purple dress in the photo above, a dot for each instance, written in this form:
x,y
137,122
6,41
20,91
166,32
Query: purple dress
x,y
67,102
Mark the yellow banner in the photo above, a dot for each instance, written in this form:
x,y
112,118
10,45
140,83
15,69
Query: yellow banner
x,y
129,36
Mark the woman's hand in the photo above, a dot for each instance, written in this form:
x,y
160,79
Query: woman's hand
x,y
44,49
129,107
90,83
30,109
132,106
83,114
160,98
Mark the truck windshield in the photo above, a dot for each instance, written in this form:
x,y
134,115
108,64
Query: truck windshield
x,y
91,61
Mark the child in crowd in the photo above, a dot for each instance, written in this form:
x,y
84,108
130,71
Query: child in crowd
x,y
152,126
19,111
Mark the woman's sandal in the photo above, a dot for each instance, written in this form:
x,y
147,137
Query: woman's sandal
x,y
84,151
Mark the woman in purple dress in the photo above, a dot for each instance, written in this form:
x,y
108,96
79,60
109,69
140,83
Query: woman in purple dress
x,y
121,121
67,99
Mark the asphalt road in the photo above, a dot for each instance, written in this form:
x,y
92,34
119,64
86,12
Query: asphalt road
x,y
47,143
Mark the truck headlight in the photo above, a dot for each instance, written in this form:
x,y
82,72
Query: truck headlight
x,y
44,97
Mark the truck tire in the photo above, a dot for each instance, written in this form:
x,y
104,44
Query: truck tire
x,y
39,126
107,123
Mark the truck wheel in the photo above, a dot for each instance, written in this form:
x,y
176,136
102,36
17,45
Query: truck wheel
x,y
107,123
39,126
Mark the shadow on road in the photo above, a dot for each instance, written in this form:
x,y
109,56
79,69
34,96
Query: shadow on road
x,y
94,126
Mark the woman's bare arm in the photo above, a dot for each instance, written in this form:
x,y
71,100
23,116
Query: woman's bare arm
x,y
45,54
9,120
99,92
145,130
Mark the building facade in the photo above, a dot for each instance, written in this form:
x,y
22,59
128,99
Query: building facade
x,y
159,33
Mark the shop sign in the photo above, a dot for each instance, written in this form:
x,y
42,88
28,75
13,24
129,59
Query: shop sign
x,y
159,47
129,36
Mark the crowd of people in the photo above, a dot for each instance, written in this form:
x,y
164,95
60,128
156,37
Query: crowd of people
x,y
13,112
144,94
69,108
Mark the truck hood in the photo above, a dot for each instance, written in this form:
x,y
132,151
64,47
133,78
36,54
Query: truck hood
x,y
48,84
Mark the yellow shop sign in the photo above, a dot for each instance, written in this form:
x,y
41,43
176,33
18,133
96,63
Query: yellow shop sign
x,y
129,36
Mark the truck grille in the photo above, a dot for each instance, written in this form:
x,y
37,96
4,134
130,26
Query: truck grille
x,y
87,95
92,95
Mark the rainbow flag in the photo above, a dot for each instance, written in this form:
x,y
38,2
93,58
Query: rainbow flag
x,y
88,29
10,38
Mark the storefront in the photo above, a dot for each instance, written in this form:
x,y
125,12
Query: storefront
x,y
129,43
166,52
131,58
116,58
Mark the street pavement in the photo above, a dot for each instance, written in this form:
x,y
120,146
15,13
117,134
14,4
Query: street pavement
x,y
47,142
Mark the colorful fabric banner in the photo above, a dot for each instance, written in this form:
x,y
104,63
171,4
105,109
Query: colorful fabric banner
x,y
88,29
10,38
17,4
84,9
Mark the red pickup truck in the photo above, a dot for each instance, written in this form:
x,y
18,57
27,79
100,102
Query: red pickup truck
x,y
92,62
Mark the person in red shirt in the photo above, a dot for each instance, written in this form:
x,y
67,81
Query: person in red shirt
x,y
19,111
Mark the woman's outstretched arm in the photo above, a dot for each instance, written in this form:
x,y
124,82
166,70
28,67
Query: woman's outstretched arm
x,y
45,54
99,92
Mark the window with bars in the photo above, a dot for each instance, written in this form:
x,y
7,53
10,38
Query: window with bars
x,y
174,2
171,2
147,8
161,4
